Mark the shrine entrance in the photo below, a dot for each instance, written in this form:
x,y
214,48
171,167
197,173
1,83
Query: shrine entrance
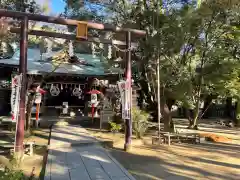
x,y
70,95
5,107
5,90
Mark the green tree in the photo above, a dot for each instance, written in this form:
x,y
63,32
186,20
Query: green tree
x,y
16,5
188,41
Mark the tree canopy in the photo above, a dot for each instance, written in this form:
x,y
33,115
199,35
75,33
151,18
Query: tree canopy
x,y
196,42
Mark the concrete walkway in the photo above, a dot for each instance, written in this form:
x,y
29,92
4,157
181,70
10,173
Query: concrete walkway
x,y
75,155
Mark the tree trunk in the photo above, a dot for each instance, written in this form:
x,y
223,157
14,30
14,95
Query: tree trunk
x,y
170,103
228,107
29,111
207,103
167,118
196,115
237,118
193,122
189,115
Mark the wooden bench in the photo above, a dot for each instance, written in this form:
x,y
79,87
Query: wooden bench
x,y
162,138
167,138
192,137
156,139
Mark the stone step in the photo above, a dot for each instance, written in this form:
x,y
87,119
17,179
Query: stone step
x,y
108,113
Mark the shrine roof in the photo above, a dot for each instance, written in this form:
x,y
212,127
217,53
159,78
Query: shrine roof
x,y
88,64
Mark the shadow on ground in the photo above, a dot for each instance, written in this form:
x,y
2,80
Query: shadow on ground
x,y
167,163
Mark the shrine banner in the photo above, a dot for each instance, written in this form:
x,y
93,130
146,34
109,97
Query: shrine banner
x,y
125,98
15,96
121,86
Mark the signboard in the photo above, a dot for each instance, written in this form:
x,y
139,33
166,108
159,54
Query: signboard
x,y
15,96
82,30
65,108
125,99
93,98
94,101
38,98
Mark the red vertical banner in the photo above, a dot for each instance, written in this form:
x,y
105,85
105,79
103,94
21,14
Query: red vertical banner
x,y
128,91
128,94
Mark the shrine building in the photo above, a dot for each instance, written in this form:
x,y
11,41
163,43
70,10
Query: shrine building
x,y
66,79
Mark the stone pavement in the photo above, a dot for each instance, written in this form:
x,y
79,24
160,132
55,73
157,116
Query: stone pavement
x,y
75,155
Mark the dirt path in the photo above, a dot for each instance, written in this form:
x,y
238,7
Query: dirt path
x,y
215,161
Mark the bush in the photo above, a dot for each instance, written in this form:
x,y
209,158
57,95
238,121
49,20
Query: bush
x,y
140,122
10,174
114,127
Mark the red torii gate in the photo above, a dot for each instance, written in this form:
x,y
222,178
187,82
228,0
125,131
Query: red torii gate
x,y
24,31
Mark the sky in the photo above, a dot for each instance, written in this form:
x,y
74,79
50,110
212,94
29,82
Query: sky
x,y
55,6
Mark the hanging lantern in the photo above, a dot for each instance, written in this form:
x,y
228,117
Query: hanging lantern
x,y
101,82
94,101
95,82
106,82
